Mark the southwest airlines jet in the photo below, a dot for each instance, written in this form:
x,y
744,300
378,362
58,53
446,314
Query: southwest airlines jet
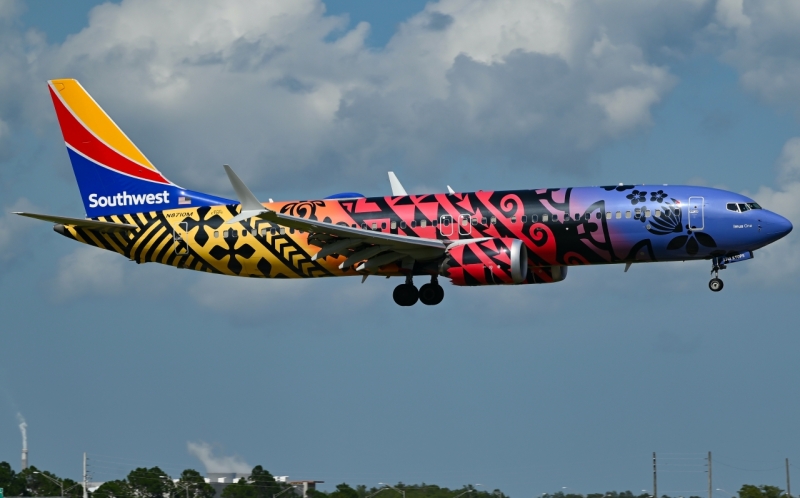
x,y
471,238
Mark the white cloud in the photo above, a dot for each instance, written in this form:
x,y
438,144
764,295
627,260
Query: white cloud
x,y
283,91
218,464
13,228
89,271
764,47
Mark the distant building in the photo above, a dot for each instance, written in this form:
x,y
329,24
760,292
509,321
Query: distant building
x,y
221,480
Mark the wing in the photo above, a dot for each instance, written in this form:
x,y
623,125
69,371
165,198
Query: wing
x,y
100,226
372,249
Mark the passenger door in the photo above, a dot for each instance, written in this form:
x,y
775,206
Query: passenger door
x,y
696,217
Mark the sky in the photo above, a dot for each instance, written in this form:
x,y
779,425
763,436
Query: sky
x,y
532,389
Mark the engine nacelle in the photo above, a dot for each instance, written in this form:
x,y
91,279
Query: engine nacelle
x,y
486,262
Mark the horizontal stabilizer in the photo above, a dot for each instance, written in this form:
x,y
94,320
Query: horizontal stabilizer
x,y
101,226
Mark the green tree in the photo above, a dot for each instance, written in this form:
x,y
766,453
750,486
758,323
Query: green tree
x,y
343,490
113,489
241,489
192,485
12,483
150,483
763,491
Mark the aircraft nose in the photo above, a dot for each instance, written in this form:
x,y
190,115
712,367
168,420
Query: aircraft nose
x,y
778,226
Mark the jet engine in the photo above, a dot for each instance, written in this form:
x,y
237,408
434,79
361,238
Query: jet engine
x,y
486,262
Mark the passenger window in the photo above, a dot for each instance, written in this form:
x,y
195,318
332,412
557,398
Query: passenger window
x,y
374,226
627,214
393,225
446,223
545,217
402,224
483,221
493,220
423,223
658,213
647,213
464,222
474,222
216,234
383,225
524,219
566,217
413,223
534,218
291,231
263,232
283,231
513,219
609,214
743,208
588,216
272,230
254,232
731,206
637,211
363,226
619,214
555,217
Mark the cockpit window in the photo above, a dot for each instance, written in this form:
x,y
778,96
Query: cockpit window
x,y
732,207
753,205
743,207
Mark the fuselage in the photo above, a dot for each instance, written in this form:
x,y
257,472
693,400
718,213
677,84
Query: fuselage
x,y
558,227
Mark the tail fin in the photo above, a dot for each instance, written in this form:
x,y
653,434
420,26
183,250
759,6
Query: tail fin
x,y
113,175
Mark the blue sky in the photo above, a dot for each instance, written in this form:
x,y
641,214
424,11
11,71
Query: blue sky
x,y
527,389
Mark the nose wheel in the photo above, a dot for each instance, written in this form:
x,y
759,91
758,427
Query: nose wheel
x,y
715,284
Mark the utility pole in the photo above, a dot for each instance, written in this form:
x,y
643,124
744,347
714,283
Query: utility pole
x,y
85,478
788,482
655,477
709,475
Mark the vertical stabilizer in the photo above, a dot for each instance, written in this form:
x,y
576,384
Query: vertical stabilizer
x,y
113,175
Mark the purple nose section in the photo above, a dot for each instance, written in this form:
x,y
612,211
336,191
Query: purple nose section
x,y
777,226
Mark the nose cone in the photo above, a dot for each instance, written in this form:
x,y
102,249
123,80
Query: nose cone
x,y
777,226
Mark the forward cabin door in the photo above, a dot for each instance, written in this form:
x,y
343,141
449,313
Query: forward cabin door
x,y
179,236
696,217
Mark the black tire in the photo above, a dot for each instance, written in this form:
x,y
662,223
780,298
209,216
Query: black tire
x,y
439,294
715,285
405,295
428,294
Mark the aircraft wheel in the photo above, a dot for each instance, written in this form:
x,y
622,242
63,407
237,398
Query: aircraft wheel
x,y
405,295
715,285
429,294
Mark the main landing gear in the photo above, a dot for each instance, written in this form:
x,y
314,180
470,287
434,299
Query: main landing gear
x,y
715,284
407,294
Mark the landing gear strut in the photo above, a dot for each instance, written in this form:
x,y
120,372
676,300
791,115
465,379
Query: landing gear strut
x,y
406,294
432,293
716,284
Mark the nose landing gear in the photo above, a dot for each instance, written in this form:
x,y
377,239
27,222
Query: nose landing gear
x,y
715,284
429,294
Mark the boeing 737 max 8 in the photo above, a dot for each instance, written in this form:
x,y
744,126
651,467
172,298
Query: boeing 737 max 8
x,y
471,238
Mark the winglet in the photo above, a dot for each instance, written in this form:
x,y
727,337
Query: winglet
x,y
450,190
397,188
250,205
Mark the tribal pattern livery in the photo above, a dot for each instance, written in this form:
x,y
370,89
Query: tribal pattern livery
x,y
471,238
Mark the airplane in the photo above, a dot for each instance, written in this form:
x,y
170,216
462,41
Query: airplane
x,y
471,238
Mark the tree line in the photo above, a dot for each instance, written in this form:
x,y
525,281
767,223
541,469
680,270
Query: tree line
x,y
155,483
